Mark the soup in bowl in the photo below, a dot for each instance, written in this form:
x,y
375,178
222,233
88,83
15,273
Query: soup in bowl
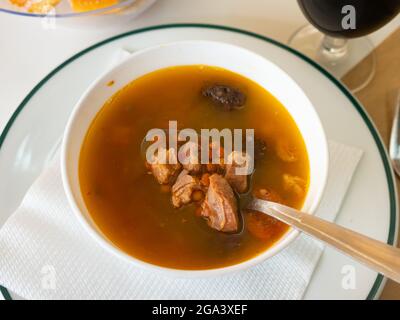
x,y
181,208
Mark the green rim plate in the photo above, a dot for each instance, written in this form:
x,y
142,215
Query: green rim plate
x,y
389,175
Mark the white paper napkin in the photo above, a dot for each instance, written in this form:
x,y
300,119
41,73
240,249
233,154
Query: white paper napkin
x,y
46,254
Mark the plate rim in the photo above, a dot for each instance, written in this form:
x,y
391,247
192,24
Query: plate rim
x,y
357,105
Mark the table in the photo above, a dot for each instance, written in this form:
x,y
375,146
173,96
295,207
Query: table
x,y
379,100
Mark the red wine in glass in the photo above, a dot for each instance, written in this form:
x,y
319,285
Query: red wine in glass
x,y
370,15
336,21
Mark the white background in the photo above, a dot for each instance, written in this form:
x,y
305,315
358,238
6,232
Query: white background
x,y
28,53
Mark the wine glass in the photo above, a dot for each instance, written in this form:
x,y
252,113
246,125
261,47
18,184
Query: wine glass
x,y
334,22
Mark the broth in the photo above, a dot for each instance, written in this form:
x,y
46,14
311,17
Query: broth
x,y
130,207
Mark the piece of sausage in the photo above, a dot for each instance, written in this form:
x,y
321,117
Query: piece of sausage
x,y
226,96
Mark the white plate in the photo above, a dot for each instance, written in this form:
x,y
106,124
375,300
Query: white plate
x,y
32,135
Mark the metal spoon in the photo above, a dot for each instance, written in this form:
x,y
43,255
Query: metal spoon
x,y
394,149
376,255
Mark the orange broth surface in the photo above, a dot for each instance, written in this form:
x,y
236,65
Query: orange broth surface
x,y
130,207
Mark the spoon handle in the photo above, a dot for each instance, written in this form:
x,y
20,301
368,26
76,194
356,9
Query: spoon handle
x,y
377,255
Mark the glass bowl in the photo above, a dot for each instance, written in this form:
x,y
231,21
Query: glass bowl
x,y
99,12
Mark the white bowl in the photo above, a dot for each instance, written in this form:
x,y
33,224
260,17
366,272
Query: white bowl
x,y
227,56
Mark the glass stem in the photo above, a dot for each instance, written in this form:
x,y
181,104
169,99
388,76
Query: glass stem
x,y
334,49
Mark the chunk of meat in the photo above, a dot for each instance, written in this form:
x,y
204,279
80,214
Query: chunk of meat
x,y
236,161
192,167
189,156
268,194
220,205
183,189
165,173
294,184
229,98
286,151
